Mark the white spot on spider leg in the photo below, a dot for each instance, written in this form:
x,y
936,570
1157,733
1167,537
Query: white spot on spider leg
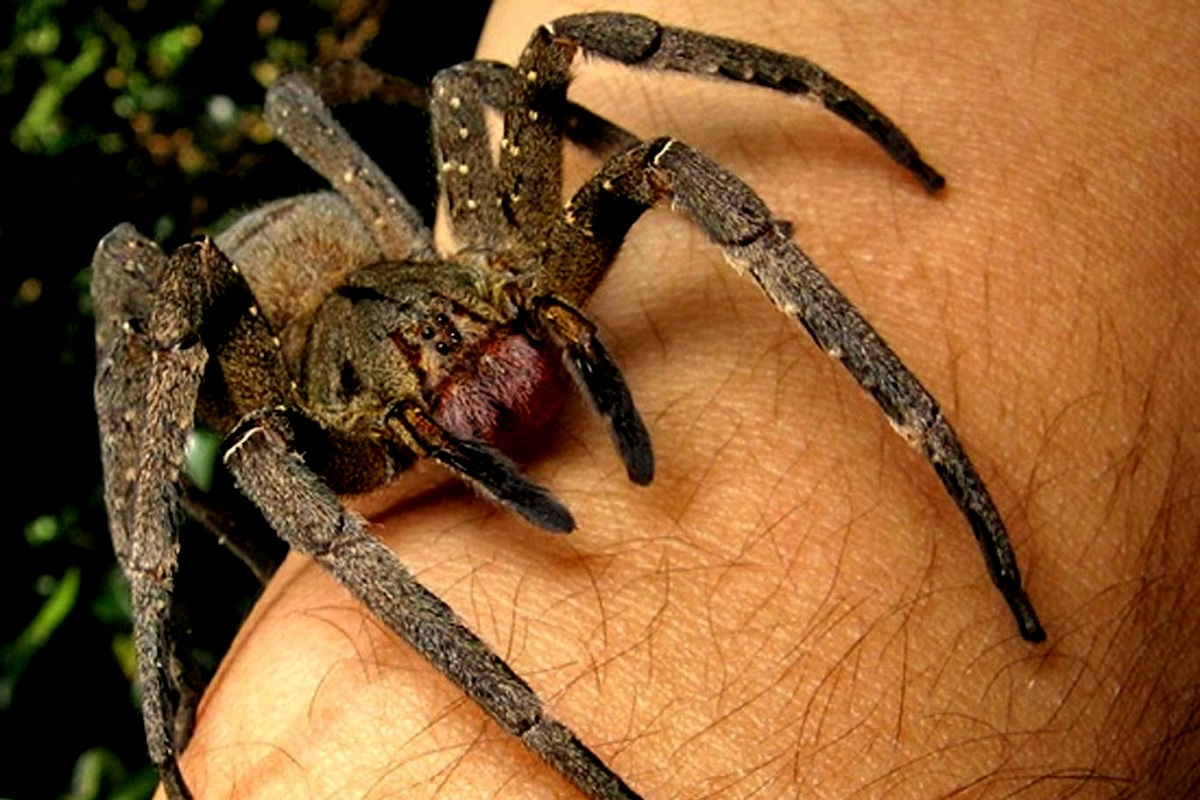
x,y
913,435
240,443
471,204
669,144
455,102
463,133
463,169
531,76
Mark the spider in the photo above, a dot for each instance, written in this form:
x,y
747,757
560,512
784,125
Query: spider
x,y
333,346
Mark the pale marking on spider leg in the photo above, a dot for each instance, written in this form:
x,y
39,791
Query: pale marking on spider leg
x,y
463,169
658,157
463,133
234,268
471,204
241,442
531,76
913,435
254,311
455,102
533,115
348,176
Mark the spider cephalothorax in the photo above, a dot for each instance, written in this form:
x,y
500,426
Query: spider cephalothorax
x,y
328,325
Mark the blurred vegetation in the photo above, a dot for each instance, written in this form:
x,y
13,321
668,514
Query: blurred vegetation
x,y
150,112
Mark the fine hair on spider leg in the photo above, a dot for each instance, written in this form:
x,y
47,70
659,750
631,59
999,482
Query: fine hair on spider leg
x,y
333,346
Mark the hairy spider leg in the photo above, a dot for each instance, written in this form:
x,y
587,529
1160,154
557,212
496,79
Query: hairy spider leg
x,y
125,267
467,176
638,41
151,365
265,465
298,108
754,242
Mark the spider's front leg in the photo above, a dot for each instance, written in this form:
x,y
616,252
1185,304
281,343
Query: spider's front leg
x,y
601,212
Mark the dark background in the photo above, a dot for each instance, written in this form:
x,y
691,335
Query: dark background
x,y
148,112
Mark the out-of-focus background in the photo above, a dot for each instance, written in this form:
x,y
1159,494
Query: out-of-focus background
x,y
149,112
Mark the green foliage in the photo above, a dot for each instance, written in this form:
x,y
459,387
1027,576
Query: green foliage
x,y
61,596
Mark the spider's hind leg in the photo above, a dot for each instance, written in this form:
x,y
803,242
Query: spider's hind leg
x,y
145,401
159,319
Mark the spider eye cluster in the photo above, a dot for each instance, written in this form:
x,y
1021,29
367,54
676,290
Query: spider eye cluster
x,y
443,334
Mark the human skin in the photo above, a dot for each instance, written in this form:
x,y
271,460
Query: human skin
x,y
795,607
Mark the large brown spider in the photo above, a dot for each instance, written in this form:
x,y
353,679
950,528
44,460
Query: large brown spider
x,y
333,346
